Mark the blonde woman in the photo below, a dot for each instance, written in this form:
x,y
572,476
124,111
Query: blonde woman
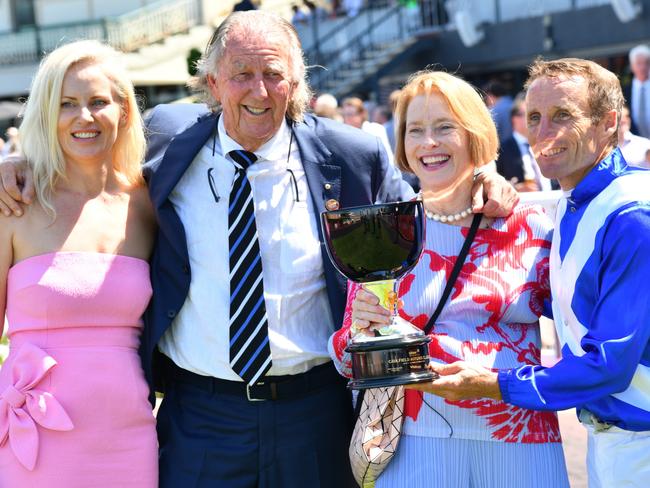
x,y
74,282
444,133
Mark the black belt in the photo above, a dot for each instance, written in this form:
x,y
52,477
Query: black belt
x,y
267,388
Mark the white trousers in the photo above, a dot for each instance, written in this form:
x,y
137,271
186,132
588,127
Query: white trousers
x,y
617,458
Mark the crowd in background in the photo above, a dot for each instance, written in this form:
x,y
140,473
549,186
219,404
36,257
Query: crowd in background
x,y
516,161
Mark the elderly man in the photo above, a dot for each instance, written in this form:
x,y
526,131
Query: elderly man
x,y
599,267
244,298
637,93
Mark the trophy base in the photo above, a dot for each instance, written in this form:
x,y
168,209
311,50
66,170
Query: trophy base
x,y
390,361
412,378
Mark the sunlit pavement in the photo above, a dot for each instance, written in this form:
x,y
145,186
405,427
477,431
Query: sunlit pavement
x,y
574,435
574,442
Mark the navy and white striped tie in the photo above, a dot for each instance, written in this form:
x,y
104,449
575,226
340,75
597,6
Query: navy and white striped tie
x,y
250,353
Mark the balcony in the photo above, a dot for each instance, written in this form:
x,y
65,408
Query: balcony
x,y
376,50
128,32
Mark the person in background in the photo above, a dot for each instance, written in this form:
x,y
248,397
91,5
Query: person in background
x,y
74,283
599,264
352,7
12,143
316,12
516,162
381,114
444,134
634,148
389,126
500,104
299,16
261,405
637,93
326,106
355,114
244,5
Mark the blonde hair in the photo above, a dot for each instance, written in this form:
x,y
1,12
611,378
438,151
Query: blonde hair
x,y
254,22
38,131
603,88
465,104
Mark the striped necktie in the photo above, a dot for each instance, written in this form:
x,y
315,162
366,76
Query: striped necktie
x,y
250,353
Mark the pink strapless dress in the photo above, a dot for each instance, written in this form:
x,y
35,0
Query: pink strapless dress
x,y
73,399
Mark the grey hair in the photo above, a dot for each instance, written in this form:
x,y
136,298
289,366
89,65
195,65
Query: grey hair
x,y
254,21
640,50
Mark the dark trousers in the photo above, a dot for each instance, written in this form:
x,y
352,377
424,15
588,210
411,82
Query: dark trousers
x,y
213,439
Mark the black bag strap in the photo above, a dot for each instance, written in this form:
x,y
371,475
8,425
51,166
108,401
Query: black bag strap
x,y
460,260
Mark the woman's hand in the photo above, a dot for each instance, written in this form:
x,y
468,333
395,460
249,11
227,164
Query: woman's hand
x,y
16,185
367,314
460,381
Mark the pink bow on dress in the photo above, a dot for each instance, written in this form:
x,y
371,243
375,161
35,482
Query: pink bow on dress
x,y
22,405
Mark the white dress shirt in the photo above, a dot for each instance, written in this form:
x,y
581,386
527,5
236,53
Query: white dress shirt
x,y
297,305
379,131
634,149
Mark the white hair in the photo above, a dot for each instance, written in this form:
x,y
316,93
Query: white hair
x,y
326,101
268,24
640,50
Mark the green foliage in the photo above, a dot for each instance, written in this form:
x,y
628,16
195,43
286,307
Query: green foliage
x,y
193,56
4,348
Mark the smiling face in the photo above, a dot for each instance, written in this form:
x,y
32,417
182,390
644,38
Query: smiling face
x,y
253,86
436,145
566,142
89,116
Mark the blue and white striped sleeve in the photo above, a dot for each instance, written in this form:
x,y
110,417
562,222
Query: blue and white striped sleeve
x,y
616,343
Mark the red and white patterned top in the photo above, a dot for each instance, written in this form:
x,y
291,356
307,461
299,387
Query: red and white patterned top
x,y
491,320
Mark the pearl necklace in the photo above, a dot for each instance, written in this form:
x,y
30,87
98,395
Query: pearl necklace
x,y
448,218
445,218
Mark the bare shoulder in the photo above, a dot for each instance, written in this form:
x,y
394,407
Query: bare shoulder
x,y
140,206
28,231
140,197
9,232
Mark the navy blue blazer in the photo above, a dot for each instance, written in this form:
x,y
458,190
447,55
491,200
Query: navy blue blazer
x,y
510,165
627,94
340,163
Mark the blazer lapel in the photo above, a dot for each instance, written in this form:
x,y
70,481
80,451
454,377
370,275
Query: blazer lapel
x,y
322,172
179,155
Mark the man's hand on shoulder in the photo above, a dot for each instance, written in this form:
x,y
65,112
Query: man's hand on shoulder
x,y
500,194
16,185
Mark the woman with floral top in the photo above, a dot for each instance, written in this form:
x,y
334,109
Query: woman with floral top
x,y
445,132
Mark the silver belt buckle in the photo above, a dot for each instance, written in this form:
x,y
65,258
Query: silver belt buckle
x,y
587,417
248,394
600,426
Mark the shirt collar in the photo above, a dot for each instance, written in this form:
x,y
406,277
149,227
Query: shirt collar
x,y
599,177
275,149
521,140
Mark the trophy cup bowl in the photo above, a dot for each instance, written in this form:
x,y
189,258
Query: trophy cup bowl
x,y
376,245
